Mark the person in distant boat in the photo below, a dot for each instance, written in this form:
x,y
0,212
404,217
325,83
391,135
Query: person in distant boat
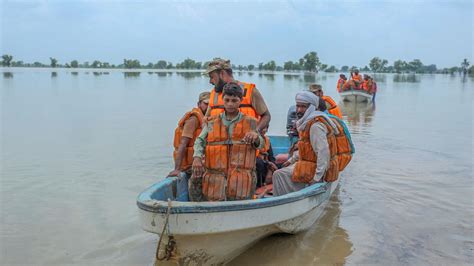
x,y
329,102
367,84
229,142
189,128
373,89
340,83
252,104
317,152
356,79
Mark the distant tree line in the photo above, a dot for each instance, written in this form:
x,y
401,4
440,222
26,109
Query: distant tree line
x,y
310,62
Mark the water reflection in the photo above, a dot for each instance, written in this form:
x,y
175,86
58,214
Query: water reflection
x,y
290,76
269,77
97,73
7,75
357,113
309,78
131,74
54,74
379,77
250,73
161,74
74,73
325,243
189,75
412,78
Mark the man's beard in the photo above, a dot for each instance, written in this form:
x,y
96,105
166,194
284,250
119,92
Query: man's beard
x,y
299,115
219,86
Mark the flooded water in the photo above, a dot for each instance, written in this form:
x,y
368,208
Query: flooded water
x,y
78,147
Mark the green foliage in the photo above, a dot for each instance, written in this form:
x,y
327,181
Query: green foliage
x,y
161,64
96,64
311,62
74,64
131,63
270,66
344,68
465,66
189,64
54,62
331,69
378,65
6,60
250,67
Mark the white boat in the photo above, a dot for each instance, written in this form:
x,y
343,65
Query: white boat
x,y
355,96
209,233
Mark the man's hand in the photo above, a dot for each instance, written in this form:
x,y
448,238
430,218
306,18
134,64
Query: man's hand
x,y
285,164
173,173
198,169
272,166
250,137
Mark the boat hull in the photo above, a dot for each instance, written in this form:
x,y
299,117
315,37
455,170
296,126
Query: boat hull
x,y
355,96
209,236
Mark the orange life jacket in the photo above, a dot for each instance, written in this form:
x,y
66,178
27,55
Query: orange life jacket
x,y
340,84
230,163
367,85
187,160
357,77
216,103
344,149
333,108
305,167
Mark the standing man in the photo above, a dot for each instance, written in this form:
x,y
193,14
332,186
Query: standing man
x,y
252,103
330,103
317,149
189,128
229,142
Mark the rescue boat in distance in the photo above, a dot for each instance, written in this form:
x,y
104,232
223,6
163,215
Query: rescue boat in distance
x,y
209,233
357,96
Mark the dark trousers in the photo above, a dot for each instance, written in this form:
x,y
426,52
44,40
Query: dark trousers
x,y
261,166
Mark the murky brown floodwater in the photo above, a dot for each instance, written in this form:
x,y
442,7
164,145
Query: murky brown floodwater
x,y
77,148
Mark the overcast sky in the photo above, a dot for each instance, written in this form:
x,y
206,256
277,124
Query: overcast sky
x,y
247,32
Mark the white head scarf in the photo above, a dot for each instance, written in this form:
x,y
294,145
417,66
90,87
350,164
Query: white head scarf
x,y
310,113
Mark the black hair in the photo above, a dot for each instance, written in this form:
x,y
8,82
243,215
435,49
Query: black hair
x,y
232,89
229,71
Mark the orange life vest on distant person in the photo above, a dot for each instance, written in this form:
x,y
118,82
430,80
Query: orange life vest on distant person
x,y
266,148
357,77
230,163
216,103
367,85
333,108
340,84
305,167
187,160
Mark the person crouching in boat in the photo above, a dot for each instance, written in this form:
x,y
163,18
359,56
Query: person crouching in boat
x,y
340,83
330,103
317,149
229,142
367,84
265,165
189,128
356,78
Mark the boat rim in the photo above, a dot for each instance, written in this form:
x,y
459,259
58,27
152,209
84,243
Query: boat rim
x,y
146,203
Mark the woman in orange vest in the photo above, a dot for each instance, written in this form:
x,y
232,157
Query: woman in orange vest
x,y
229,143
189,128
220,73
331,105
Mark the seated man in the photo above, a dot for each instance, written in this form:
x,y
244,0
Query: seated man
x,y
189,128
229,142
317,151
340,83
265,161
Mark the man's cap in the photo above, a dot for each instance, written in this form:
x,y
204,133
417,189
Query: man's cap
x,y
315,87
217,64
204,96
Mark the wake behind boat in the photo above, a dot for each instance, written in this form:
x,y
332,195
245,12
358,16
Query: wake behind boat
x,y
216,232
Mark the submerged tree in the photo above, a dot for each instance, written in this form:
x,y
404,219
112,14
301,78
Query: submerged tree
x,y
311,62
464,66
6,60
54,62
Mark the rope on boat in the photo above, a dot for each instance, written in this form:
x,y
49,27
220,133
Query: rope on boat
x,y
171,242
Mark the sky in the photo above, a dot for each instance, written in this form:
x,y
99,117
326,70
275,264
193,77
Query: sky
x,y
246,32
